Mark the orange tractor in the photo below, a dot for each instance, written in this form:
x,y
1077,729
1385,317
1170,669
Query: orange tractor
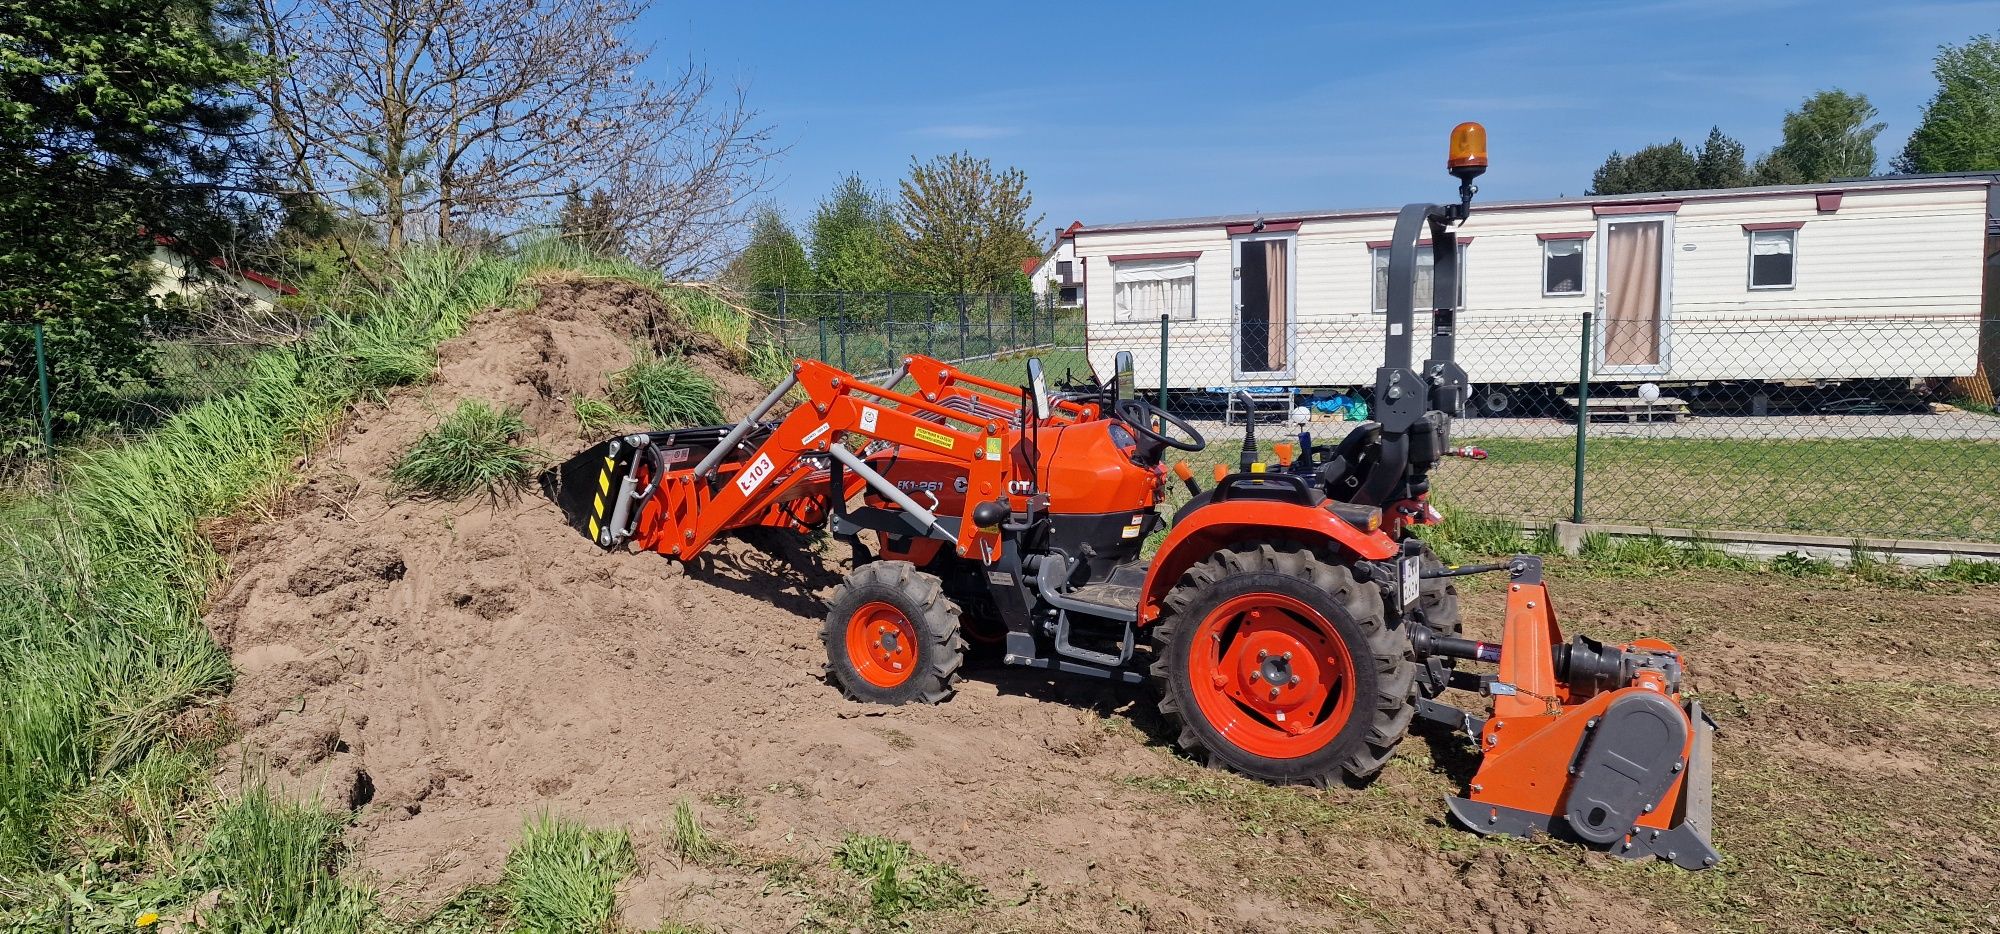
x,y
1291,622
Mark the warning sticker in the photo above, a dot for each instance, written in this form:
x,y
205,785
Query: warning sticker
x,y
993,449
933,437
868,417
672,456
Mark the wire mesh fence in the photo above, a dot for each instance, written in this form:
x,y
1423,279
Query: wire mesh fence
x,y
1875,427
61,390
869,332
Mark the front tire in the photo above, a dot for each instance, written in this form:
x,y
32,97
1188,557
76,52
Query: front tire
x,y
1278,663
892,636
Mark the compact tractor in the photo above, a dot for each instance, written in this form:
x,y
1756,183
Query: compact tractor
x,y
1291,622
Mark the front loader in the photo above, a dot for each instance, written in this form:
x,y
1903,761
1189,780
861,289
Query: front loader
x,y
1291,621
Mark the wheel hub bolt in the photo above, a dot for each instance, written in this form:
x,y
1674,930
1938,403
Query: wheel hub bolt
x,y
1295,679
1287,656
1274,693
1263,654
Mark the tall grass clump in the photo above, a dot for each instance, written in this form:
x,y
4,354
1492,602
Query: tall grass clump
x,y
666,393
562,877
475,448
101,639
272,866
689,840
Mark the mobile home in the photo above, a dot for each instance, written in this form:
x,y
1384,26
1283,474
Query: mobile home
x,y
1782,284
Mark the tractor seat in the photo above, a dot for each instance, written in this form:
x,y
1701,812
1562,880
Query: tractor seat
x,y
1342,471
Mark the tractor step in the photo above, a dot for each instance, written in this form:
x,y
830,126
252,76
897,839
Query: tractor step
x,y
1119,592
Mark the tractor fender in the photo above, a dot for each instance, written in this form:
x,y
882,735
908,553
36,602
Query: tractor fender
x,y
1210,528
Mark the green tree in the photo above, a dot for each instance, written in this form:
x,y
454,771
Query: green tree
x,y
961,227
851,238
120,120
1671,166
773,259
1960,129
1830,136
1720,163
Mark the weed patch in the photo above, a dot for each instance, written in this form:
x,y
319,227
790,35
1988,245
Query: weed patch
x,y
900,881
690,841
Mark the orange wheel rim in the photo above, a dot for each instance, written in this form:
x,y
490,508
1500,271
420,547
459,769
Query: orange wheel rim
x,y
882,645
1272,675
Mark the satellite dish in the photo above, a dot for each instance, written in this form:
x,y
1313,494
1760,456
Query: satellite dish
x,y
1649,393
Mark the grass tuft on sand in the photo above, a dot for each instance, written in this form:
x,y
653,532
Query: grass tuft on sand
x,y
666,393
474,448
562,877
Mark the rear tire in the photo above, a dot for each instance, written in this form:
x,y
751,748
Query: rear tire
x,y
1332,694
892,636
1437,610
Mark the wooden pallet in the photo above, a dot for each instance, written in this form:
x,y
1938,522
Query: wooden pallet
x,y
1665,408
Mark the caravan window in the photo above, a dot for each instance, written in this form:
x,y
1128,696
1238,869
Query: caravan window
x,y
1425,292
1562,266
1771,253
1144,288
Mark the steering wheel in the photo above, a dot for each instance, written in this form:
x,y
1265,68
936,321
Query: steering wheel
x,y
1138,414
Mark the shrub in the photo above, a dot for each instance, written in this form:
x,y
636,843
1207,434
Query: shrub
x,y
900,881
473,449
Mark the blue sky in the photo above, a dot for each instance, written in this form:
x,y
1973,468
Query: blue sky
x,y
1129,111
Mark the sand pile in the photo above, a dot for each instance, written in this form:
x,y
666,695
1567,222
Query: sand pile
x,y
447,669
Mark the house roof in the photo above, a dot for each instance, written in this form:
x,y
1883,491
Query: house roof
x,y
218,262
1951,180
1031,264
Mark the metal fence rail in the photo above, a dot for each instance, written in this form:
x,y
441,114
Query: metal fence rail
x,y
1858,426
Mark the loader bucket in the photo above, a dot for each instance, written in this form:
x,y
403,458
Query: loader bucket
x,y
584,486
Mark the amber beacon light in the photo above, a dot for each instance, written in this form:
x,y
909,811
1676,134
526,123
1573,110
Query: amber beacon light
x,y
1468,151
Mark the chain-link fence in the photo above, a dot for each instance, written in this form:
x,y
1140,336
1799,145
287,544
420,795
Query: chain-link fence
x,y
61,390
1877,427
868,332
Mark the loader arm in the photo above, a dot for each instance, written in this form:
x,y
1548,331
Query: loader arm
x,y
787,477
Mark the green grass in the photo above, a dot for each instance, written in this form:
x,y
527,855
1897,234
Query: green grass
x,y
900,881
595,416
690,841
1878,487
562,877
473,449
666,393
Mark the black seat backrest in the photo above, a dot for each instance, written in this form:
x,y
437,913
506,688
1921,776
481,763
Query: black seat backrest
x,y
1342,473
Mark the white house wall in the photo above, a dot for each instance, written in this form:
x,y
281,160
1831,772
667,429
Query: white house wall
x,y
1911,253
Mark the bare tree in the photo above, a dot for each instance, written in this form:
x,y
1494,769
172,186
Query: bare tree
x,y
430,117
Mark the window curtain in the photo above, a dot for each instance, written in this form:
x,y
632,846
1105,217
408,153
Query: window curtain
x,y
1276,278
1143,290
1632,295
1771,258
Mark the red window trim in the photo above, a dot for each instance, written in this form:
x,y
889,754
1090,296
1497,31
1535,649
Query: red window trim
x,y
1645,207
1269,227
1571,235
1828,201
1133,257
1776,225
1385,244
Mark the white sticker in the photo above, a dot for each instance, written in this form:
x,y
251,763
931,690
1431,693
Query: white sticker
x,y
672,456
754,475
1413,569
868,416
1395,329
814,436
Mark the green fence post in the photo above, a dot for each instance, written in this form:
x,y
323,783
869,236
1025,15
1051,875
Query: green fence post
x,y
784,336
1582,420
840,305
821,310
888,330
42,378
1163,361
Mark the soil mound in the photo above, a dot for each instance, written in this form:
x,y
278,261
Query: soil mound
x,y
447,669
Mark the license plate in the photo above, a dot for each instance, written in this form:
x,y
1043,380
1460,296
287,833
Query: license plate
x,y
1411,579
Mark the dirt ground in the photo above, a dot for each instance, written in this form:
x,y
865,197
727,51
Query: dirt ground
x,y
449,669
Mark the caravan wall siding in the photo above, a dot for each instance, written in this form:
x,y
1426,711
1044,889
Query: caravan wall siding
x,y
1888,284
